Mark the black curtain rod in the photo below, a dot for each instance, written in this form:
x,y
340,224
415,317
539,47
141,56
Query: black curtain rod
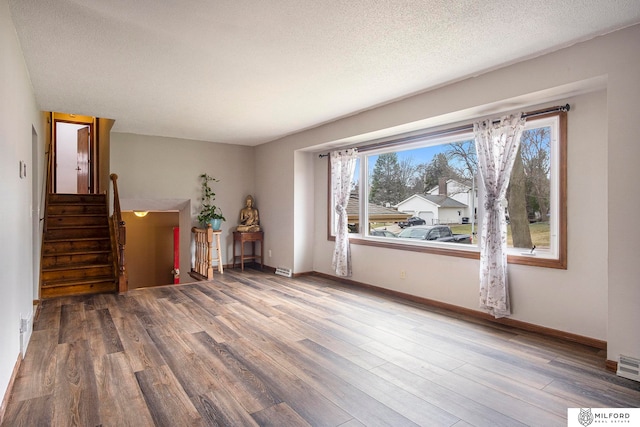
x,y
326,155
450,131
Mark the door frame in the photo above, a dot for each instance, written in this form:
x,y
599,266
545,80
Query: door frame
x,y
93,148
176,254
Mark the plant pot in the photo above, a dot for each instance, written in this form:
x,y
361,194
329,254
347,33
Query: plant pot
x,y
215,223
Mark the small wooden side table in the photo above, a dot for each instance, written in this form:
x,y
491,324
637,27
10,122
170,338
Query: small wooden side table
x,y
244,237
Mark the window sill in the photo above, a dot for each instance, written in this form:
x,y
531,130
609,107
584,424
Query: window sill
x,y
471,253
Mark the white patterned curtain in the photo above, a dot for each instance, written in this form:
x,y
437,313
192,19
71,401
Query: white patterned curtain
x,y
343,165
496,147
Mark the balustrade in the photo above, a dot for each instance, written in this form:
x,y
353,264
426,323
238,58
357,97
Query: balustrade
x,y
203,261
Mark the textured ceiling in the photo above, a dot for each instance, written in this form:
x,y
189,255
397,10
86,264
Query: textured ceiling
x,y
248,72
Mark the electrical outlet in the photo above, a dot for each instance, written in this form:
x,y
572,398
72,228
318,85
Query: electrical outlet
x,y
403,274
25,324
269,253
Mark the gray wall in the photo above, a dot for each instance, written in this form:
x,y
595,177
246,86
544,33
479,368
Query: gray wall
x,y
157,173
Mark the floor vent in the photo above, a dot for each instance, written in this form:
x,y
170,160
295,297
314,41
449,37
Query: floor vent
x,y
283,271
629,367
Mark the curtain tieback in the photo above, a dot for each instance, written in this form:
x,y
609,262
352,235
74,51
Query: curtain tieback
x,y
492,203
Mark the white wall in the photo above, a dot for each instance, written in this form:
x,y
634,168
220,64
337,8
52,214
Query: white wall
x,y
451,215
417,206
598,295
19,115
163,173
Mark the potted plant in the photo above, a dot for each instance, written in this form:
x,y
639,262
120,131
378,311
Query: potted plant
x,y
209,213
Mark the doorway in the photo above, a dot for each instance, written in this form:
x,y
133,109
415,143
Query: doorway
x,y
73,148
151,252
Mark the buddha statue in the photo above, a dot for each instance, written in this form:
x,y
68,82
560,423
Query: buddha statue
x,y
249,217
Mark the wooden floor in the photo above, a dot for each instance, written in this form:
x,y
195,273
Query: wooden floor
x,y
257,349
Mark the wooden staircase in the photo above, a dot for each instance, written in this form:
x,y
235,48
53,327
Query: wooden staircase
x,y
77,255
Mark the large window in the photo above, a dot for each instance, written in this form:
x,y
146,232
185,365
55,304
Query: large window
x,y
421,193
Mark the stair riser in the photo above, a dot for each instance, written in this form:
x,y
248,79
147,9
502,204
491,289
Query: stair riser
x,y
76,274
51,248
78,259
93,288
76,221
77,199
76,233
76,209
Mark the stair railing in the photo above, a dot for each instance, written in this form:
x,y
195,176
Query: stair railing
x,y
120,233
203,262
48,184
43,203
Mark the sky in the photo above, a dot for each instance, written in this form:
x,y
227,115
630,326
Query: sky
x,y
426,154
419,155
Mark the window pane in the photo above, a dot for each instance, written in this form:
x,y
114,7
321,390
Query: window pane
x,y
353,207
411,190
529,198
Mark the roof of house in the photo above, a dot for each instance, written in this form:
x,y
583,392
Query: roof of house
x,y
449,181
443,201
376,213
440,201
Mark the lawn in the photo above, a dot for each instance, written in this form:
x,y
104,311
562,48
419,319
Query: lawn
x,y
540,233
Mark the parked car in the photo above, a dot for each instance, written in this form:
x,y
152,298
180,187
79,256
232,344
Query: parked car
x,y
382,233
438,233
414,220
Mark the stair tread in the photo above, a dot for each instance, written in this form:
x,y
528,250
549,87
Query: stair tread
x,y
76,198
78,252
76,266
76,227
67,203
77,239
66,215
75,253
75,282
